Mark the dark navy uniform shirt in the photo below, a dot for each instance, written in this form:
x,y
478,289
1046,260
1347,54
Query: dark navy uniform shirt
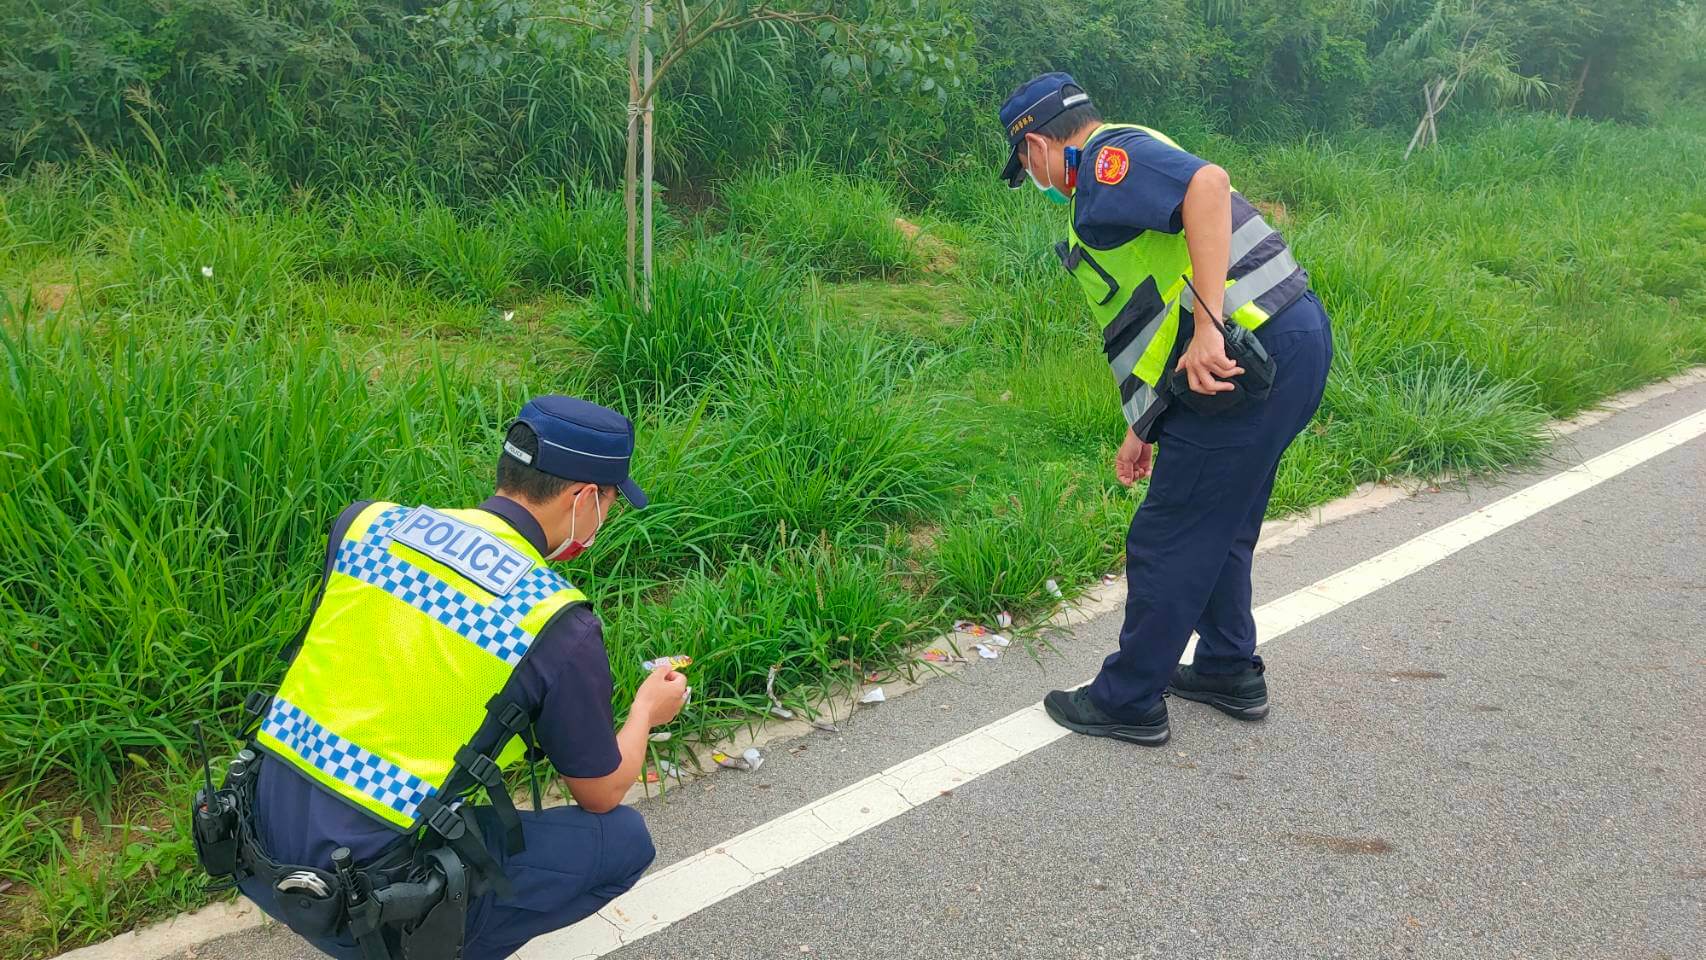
x,y
564,681
1129,182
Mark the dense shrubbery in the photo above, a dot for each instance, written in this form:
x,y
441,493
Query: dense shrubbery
x,y
463,100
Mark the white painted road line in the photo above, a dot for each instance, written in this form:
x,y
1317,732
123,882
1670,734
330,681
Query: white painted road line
x,y
706,878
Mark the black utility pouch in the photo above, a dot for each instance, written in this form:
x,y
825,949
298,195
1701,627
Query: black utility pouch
x,y
310,901
1254,385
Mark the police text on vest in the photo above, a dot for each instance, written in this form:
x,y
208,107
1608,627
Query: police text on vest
x,y
476,554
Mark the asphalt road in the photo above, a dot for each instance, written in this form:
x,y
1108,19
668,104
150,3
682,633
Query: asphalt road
x,y
1501,755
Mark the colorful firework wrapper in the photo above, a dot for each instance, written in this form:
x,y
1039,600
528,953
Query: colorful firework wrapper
x,y
678,662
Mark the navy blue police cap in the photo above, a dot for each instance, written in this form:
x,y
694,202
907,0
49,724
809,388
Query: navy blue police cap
x,y
1032,105
580,440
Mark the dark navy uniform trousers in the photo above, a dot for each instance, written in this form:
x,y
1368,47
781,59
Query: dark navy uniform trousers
x,y
574,864
1189,548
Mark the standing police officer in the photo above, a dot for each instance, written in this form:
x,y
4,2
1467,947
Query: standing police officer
x,y
1167,254
440,643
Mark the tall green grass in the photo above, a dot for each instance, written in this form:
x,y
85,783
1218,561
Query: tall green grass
x,y
711,311
835,467
807,216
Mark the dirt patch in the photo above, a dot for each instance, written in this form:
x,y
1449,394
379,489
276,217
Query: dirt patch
x,y
938,257
1272,211
923,538
52,296
1346,846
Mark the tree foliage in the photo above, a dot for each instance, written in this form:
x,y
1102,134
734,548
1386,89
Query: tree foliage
x,y
467,95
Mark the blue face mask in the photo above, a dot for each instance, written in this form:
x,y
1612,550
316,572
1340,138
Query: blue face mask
x,y
1051,191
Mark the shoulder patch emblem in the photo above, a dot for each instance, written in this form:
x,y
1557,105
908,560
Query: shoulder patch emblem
x,y
1111,165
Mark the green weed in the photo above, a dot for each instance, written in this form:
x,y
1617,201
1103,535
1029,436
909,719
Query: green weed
x,y
808,217
713,308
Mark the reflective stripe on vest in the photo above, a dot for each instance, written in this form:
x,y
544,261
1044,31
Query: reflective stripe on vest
x,y
406,648
1138,289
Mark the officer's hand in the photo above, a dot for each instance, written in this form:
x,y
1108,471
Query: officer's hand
x,y
1133,461
1205,362
660,697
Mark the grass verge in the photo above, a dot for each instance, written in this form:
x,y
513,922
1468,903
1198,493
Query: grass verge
x,y
839,467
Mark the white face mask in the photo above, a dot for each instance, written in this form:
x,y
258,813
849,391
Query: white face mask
x,y
1052,192
571,547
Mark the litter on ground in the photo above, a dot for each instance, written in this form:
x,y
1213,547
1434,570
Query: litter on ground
x,y
874,695
776,708
986,652
676,662
1054,589
749,761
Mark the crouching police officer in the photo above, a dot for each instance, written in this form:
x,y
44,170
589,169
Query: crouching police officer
x,y
441,648
1220,352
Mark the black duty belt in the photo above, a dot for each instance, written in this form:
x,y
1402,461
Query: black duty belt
x,y
410,903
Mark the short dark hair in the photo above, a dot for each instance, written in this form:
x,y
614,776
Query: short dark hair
x,y
529,482
1069,121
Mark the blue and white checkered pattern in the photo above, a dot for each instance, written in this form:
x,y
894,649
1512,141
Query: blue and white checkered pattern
x,y
345,761
492,627
383,524
485,625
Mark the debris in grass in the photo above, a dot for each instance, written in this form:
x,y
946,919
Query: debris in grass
x,y
874,695
986,652
677,662
971,629
666,769
660,736
207,272
999,640
509,315
872,676
938,655
5,885
776,707
749,761
1004,619
1110,577
1054,589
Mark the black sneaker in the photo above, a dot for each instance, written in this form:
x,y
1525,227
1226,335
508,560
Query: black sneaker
x,y
1240,695
1073,710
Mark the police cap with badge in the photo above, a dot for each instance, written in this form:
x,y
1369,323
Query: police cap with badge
x,y
1032,105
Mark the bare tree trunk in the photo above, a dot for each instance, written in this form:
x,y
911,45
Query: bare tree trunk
x,y
646,180
1581,85
1419,137
631,172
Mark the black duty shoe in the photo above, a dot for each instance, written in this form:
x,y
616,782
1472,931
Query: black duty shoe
x,y
1073,710
1240,695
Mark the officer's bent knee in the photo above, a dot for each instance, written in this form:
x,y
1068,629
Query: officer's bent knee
x,y
627,829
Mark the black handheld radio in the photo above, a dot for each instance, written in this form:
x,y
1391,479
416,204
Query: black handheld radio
x,y
214,820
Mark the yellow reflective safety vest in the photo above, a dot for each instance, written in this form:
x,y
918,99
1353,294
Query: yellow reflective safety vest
x,y
424,616
1137,291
